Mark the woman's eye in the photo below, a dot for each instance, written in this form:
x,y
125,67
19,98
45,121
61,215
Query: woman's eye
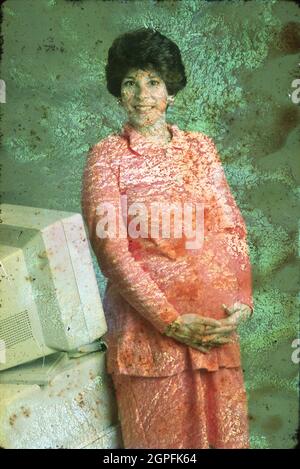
x,y
131,83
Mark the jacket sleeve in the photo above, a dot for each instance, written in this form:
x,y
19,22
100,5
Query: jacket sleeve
x,y
228,220
100,185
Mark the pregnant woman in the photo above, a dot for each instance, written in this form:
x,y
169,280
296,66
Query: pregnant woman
x,y
172,305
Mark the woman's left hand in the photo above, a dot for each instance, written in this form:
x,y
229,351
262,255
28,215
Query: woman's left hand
x,y
237,313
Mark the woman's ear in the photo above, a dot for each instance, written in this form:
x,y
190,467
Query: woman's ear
x,y
170,100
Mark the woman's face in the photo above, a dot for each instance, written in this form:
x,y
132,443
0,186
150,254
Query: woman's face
x,y
144,97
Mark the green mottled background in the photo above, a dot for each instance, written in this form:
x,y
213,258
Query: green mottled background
x,y
240,58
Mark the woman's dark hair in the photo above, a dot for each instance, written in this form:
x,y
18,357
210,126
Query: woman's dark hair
x,y
144,48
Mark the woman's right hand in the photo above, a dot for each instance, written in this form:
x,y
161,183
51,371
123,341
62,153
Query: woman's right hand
x,y
200,332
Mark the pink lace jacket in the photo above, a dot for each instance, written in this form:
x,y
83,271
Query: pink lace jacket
x,y
154,279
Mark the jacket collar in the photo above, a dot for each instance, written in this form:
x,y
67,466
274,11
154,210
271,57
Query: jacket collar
x,y
140,144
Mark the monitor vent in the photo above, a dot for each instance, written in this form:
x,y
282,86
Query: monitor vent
x,y
15,329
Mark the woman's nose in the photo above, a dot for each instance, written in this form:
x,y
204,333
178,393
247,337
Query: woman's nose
x,y
141,91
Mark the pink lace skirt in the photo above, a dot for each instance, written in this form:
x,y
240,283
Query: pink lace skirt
x,y
193,409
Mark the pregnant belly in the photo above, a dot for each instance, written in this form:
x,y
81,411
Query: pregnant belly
x,y
201,283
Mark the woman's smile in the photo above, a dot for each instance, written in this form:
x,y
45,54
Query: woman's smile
x,y
143,109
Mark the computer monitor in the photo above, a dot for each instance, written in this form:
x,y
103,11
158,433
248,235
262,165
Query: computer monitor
x,y
49,294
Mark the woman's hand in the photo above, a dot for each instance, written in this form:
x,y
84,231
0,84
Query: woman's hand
x,y
204,333
237,314
200,332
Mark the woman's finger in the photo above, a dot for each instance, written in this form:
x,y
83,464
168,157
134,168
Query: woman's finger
x,y
221,330
181,336
216,339
194,345
199,347
200,326
221,341
208,339
230,320
210,322
228,311
226,308
203,349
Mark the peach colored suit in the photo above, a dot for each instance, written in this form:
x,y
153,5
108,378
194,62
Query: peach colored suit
x,y
153,279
